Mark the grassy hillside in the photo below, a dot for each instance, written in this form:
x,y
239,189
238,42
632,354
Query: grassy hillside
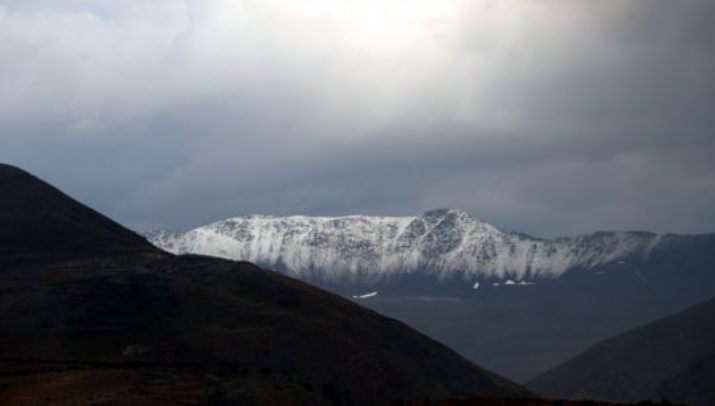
x,y
670,358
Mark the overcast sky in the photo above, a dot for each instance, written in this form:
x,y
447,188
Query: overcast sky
x,y
543,116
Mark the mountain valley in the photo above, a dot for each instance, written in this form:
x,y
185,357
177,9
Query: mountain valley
x,y
516,304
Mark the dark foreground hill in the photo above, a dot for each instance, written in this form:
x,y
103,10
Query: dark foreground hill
x,y
486,401
36,218
672,358
90,312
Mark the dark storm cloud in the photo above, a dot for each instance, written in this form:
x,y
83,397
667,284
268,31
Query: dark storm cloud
x,y
550,117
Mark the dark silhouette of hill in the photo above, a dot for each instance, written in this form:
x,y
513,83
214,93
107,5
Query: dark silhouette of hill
x,y
486,401
36,218
671,358
90,313
694,386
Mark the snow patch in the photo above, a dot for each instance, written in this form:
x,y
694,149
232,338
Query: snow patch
x,y
365,296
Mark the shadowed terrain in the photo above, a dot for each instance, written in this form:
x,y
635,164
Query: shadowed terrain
x,y
486,401
671,358
91,312
36,218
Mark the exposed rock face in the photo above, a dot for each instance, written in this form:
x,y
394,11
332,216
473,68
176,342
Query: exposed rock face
x,y
440,242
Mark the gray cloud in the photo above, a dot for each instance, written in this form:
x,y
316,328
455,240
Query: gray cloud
x,y
545,116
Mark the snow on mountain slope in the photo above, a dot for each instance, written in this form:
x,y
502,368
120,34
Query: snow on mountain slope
x,y
442,242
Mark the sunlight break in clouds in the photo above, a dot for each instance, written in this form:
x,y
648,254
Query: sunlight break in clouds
x,y
359,60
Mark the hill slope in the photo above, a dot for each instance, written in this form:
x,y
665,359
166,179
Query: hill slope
x,y
138,325
36,218
694,385
669,357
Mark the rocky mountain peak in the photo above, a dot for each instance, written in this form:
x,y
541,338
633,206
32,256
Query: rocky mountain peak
x,y
442,242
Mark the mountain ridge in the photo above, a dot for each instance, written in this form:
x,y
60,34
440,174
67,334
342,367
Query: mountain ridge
x,y
443,242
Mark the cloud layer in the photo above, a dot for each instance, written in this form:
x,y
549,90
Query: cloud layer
x,y
545,116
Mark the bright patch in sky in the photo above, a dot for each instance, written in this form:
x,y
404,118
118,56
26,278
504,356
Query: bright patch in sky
x,y
536,115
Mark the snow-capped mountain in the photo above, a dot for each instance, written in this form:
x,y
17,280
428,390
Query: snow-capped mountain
x,y
514,303
368,249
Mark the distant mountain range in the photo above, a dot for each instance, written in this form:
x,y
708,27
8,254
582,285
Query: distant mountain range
x,y
517,304
672,358
372,249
